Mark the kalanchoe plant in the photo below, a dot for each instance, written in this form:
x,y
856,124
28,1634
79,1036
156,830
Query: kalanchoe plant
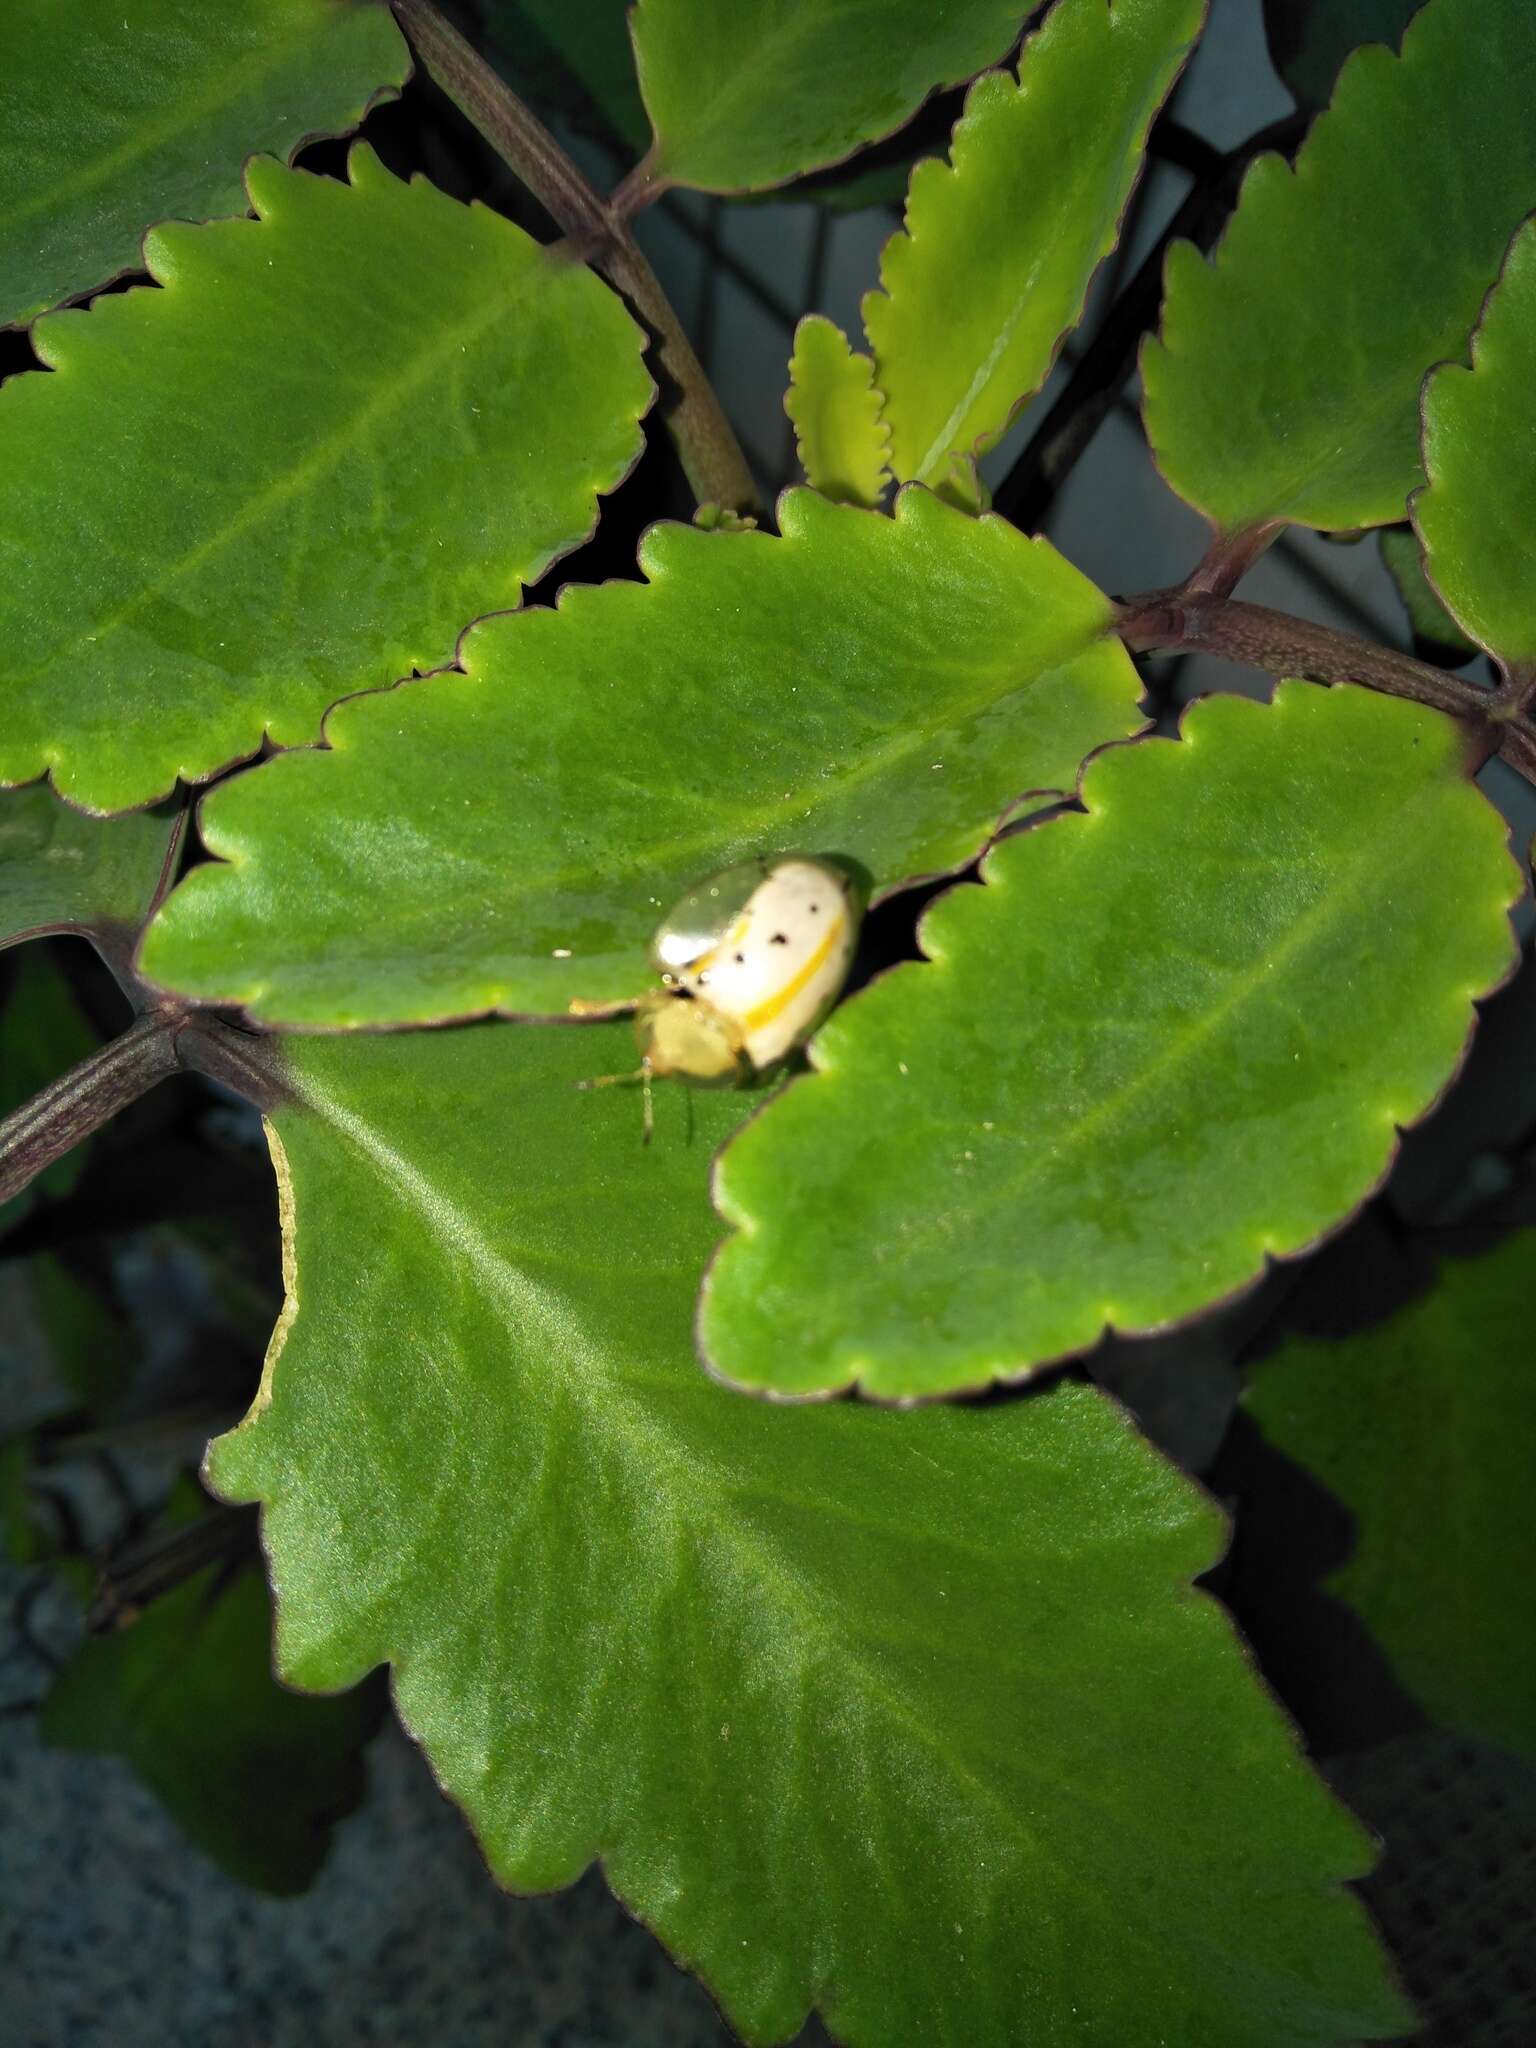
x,y
900,1708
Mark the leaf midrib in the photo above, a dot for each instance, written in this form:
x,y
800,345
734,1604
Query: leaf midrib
x,y
644,1441
283,489
185,115
1183,1046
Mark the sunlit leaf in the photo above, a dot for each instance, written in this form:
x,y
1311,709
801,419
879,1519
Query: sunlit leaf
x,y
255,1775
1477,517
1423,1428
749,95
1285,384
1000,243
880,689
912,1717
336,435
832,400
119,113
1431,622
1169,1040
63,872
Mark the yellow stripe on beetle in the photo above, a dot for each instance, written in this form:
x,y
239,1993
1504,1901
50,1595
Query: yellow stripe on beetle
x,y
752,959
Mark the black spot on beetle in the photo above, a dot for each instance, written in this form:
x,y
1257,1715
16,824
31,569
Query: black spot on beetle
x,y
741,959
779,939
815,908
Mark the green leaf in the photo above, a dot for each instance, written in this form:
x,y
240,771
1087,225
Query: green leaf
x,y
880,1712
1285,385
123,112
1431,622
1423,1428
1477,515
880,689
338,433
573,56
254,1775
832,400
1310,39
754,94
1001,242
63,872
1170,1040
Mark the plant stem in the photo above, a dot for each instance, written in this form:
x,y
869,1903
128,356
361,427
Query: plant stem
x,y
1285,646
79,1102
160,1042
716,469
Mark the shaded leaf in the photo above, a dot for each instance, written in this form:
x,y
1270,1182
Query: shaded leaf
x,y
1431,622
880,689
573,56
255,1775
1285,384
1000,243
748,96
1310,39
895,1714
832,400
337,433
1477,515
63,872
124,112
1169,1040
1422,1427
43,1033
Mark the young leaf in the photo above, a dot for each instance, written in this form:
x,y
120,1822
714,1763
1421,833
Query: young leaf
x,y
1285,385
1422,1427
1477,515
123,112
751,95
911,1717
832,400
337,433
1169,1040
1431,622
63,872
993,266
881,689
255,1775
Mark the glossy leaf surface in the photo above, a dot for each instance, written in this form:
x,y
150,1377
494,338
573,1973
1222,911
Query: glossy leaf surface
x,y
1477,517
1169,1040
774,1665
879,689
119,113
1422,1427
1285,383
337,434
61,871
1000,243
753,94
1431,622
839,434
254,1774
